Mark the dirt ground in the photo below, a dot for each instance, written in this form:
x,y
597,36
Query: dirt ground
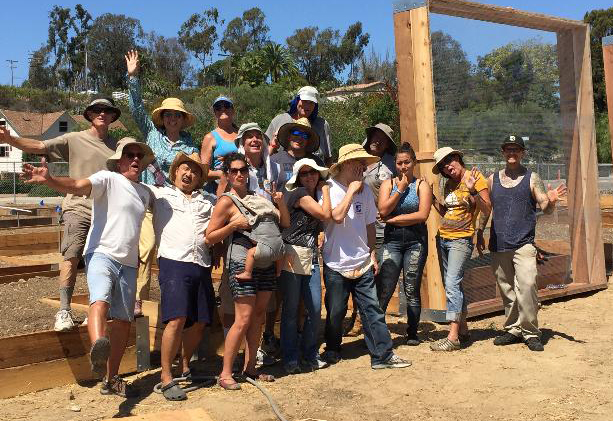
x,y
569,381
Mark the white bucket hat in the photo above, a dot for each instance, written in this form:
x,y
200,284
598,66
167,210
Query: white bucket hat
x,y
304,162
440,154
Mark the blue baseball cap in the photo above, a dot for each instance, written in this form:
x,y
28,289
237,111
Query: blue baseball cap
x,y
223,98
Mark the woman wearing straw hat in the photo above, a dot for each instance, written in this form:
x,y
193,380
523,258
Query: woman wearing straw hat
x,y
165,134
465,195
300,276
305,105
350,261
218,143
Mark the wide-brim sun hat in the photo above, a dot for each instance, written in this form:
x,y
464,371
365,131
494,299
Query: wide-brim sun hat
x,y
309,93
104,102
304,162
387,131
180,158
349,152
247,127
174,104
440,154
302,124
111,162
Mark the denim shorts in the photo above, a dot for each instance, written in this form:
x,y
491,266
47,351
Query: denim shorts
x,y
111,282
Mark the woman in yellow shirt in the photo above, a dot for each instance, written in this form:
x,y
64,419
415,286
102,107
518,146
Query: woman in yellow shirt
x,y
465,195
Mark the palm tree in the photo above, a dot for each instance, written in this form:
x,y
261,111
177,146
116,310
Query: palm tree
x,y
277,61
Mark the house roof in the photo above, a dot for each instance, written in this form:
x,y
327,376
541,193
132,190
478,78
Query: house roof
x,y
363,87
115,125
31,124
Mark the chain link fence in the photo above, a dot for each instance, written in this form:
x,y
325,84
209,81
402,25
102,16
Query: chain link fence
x,y
14,190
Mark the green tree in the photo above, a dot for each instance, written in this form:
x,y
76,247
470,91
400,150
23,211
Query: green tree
x,y
110,37
352,48
40,74
317,53
601,22
248,33
198,34
375,68
603,138
165,64
277,61
451,71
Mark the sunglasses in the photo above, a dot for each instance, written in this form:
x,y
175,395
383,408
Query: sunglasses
x,y
300,134
100,110
222,105
512,149
242,170
170,113
309,172
132,155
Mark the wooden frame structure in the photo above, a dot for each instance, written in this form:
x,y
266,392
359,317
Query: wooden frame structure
x,y
607,58
418,123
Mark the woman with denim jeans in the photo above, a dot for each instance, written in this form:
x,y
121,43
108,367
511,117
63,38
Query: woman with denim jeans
x,y
404,205
300,276
465,195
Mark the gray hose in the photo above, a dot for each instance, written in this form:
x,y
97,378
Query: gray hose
x,y
196,383
272,403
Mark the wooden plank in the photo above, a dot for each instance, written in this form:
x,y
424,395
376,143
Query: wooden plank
x,y
46,346
79,302
586,127
418,124
503,15
196,414
11,278
607,58
46,375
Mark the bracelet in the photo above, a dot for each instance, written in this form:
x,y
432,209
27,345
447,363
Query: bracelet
x,y
395,190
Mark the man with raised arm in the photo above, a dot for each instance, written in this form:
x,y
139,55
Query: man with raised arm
x,y
515,192
111,251
86,153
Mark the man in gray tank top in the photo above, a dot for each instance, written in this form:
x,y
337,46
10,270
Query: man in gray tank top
x,y
515,192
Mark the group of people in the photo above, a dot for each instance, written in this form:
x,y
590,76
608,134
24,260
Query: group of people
x,y
274,206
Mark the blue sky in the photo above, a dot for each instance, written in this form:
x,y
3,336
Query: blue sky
x,y
25,22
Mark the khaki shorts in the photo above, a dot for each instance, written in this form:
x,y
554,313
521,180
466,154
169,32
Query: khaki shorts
x,y
76,228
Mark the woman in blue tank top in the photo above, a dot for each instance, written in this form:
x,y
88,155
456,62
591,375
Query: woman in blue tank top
x,y
219,143
404,205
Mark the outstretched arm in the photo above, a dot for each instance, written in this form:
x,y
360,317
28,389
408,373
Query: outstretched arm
x,y
40,175
546,199
137,107
27,145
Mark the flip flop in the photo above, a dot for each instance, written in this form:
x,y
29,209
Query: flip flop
x,y
173,392
228,384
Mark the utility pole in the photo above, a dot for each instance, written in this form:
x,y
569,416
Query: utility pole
x,y
12,67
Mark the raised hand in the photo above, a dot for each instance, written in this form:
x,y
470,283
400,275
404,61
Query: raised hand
x,y
403,182
277,196
32,174
471,179
132,62
554,194
5,134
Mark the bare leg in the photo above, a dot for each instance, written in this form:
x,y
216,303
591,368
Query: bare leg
x,y
68,272
249,263
96,324
191,339
171,341
119,339
243,307
454,331
254,332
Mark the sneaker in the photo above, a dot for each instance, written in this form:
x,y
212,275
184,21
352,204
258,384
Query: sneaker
x,y
412,340
138,308
292,368
331,357
534,344
445,344
118,386
63,321
316,364
394,362
99,355
507,339
263,359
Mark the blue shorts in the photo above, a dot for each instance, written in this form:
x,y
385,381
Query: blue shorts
x,y
186,291
111,282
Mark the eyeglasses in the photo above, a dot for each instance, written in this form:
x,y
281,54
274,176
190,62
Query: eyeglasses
x,y
100,110
300,134
242,170
172,113
132,155
218,106
512,149
309,172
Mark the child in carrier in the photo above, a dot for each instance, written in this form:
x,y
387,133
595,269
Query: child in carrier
x,y
265,236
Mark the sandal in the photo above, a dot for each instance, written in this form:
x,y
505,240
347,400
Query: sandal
x,y
173,392
262,377
228,384
445,345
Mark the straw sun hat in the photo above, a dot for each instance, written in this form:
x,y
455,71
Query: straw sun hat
x,y
111,162
303,124
172,104
440,154
352,151
181,158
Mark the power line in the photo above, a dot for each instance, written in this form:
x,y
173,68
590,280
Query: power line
x,y
12,67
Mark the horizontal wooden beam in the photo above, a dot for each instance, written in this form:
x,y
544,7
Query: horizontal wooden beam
x,y
503,15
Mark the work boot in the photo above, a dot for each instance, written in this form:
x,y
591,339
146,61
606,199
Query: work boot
x,y
356,330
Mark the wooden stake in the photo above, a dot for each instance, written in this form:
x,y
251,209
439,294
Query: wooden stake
x,y
607,56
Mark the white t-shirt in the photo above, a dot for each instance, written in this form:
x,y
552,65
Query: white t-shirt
x,y
180,223
117,214
346,244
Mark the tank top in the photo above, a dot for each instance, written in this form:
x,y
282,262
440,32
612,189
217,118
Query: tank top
x,y
222,148
513,215
409,200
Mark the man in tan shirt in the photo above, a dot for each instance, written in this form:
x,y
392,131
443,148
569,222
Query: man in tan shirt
x,y
86,153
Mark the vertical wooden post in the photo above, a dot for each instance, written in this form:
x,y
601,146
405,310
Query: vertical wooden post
x,y
607,55
418,126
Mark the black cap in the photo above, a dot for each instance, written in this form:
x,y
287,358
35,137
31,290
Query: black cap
x,y
513,140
